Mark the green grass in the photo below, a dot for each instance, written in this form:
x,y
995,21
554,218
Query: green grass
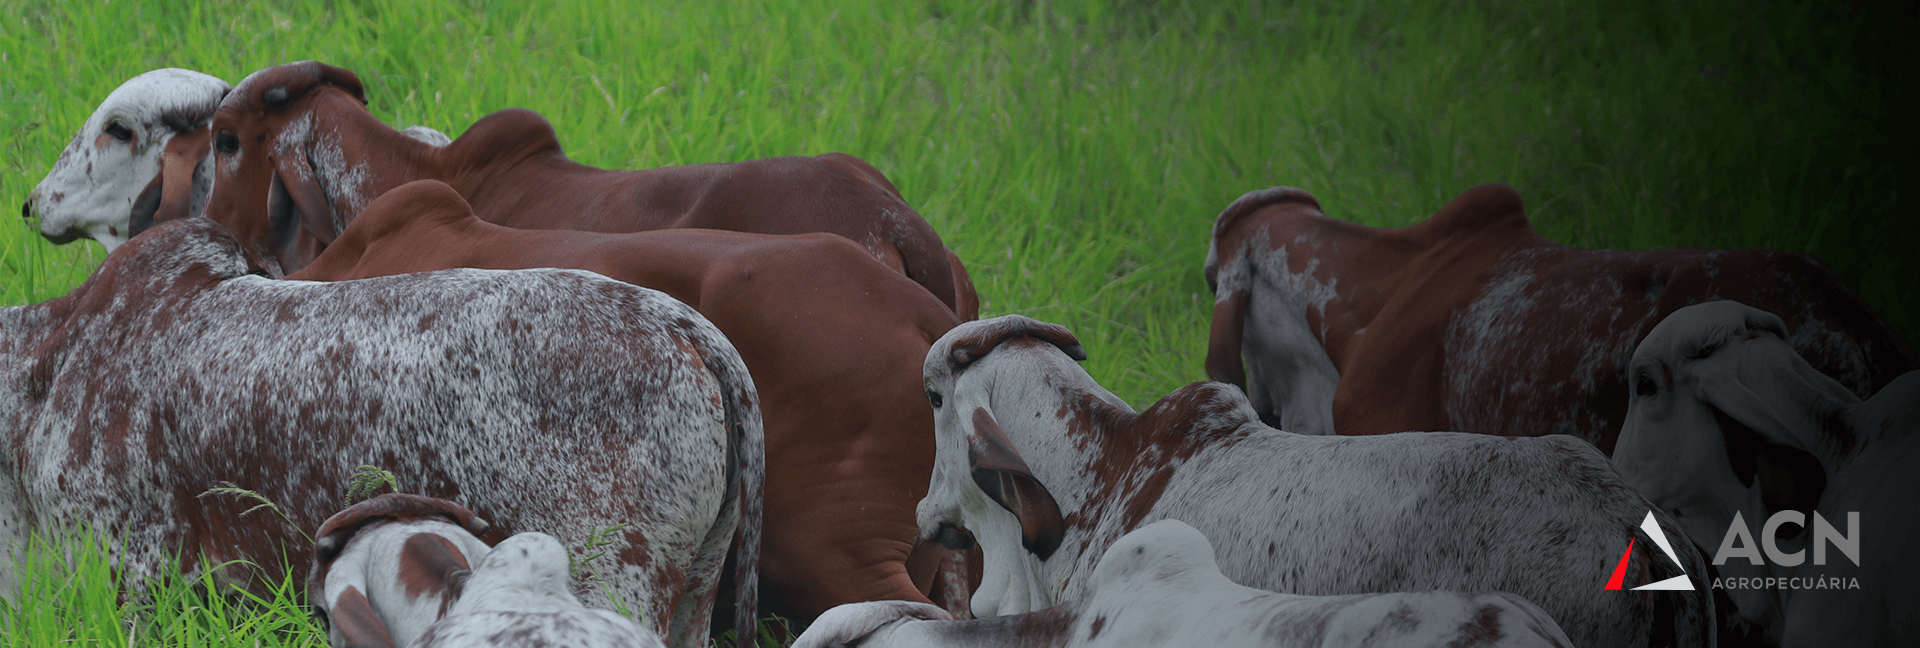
x,y
1074,153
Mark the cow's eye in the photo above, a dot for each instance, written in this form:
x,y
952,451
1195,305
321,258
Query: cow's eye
x,y
119,131
1645,386
934,397
227,143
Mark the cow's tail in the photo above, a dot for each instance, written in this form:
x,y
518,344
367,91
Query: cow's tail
x,y
746,476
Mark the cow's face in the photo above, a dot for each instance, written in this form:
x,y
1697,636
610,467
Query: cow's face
x,y
1725,417
140,159
385,569
287,182
981,485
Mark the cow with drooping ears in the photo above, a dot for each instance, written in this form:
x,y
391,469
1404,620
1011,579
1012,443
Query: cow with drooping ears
x,y
1045,469
298,156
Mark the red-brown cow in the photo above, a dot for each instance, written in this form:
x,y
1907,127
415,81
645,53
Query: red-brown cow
x,y
834,342
1472,321
298,156
557,400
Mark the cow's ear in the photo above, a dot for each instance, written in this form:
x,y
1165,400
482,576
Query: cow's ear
x,y
1225,340
177,164
999,471
355,623
298,211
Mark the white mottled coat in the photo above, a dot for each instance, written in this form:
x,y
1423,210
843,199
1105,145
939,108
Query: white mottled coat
x,y
1543,518
96,187
1159,586
518,596
1718,376
542,399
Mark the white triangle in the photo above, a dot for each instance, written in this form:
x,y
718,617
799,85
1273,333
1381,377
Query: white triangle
x,y
1676,583
1653,531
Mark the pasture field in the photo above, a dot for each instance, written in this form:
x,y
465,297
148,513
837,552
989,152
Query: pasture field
x,y
1073,152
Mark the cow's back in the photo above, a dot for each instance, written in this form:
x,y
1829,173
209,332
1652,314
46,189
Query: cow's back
x,y
1544,346
553,400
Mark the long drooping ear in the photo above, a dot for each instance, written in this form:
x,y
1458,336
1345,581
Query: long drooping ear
x,y
353,618
1775,413
177,164
297,208
982,339
1226,338
999,471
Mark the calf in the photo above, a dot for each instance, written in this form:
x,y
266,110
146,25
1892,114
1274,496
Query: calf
x,y
1160,585
1472,321
386,568
834,341
140,159
549,399
1729,426
300,157
518,596
1047,469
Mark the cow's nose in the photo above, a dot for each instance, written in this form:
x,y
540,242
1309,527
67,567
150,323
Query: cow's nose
x,y
26,209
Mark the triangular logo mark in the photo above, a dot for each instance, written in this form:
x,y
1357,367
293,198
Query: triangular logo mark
x,y
1652,530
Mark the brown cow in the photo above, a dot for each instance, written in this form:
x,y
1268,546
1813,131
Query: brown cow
x,y
834,342
1473,321
298,156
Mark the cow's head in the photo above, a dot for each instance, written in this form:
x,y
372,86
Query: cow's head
x,y
140,159
1262,339
291,168
981,484
1724,418
423,544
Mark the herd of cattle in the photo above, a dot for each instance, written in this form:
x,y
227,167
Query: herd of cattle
x,y
765,385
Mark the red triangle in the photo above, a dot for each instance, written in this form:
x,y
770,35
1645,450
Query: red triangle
x,y
1620,570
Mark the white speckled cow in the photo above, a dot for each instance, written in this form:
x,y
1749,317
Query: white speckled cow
x,y
542,399
1472,321
1047,469
1728,422
386,568
1159,585
140,159
518,597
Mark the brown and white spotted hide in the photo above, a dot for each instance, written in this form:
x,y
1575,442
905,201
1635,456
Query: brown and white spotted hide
x,y
1472,321
557,400
1159,585
1047,470
140,159
300,157
834,340
519,597
1729,422
386,568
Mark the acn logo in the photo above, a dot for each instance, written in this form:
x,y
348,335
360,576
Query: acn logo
x,y
1652,530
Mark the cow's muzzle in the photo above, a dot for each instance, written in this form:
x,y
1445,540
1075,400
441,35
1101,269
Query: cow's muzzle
x,y
953,537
